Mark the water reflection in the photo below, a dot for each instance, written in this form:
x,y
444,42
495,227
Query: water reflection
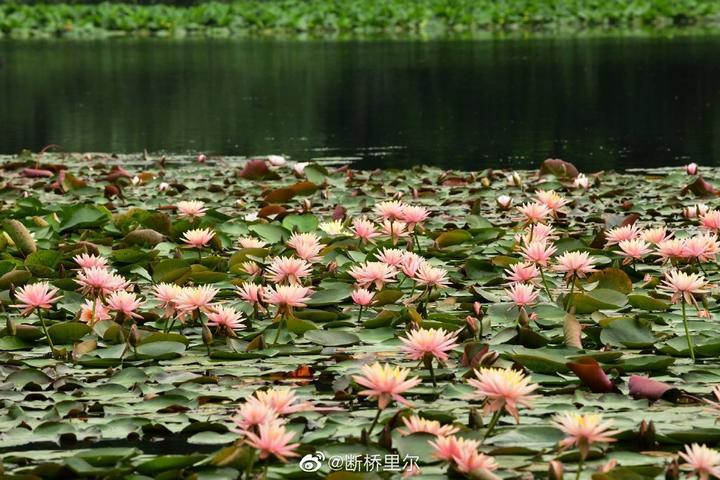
x,y
601,103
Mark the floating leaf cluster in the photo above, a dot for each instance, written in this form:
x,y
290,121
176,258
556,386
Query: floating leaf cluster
x,y
179,317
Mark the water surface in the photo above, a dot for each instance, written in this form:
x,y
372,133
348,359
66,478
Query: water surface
x,y
601,103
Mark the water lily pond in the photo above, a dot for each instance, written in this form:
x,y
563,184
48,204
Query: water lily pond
x,y
222,318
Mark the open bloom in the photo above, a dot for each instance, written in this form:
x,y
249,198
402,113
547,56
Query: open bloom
x,y
191,209
251,293
448,447
551,199
283,401
167,294
395,230
362,297
334,227
386,383
538,252
251,268
196,298
618,234
503,389
634,249
287,296
288,269
538,232
583,430
414,215
225,318
711,220
655,235
251,242
522,294
416,424
522,273
306,245
683,285
364,229
464,454
691,168
272,439
252,413
89,261
96,281
429,342
473,463
390,210
37,295
704,461
391,256
198,237
575,264
125,303
411,263
534,212
671,249
373,273
702,248
92,312
432,276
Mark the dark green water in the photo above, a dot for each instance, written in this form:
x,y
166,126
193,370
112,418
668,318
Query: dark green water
x,y
600,103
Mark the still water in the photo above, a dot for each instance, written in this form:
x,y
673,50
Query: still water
x,y
600,103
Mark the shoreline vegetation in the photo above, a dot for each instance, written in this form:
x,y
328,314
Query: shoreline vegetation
x,y
346,18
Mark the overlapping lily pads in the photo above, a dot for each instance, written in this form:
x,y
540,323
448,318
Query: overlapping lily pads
x,y
152,398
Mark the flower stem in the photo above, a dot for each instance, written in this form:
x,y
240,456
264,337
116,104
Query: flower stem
x,y
568,304
687,332
580,467
493,422
547,290
277,334
359,314
432,373
47,335
375,420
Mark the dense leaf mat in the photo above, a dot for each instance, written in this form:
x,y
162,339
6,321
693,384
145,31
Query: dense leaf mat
x,y
124,398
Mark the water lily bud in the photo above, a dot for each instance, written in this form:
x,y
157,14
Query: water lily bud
x,y
504,202
307,205
475,419
485,182
646,434
164,186
201,158
332,266
276,160
477,308
691,168
299,168
672,472
136,180
581,181
207,335
627,204
473,324
514,180
10,326
134,337
695,211
555,470
523,319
